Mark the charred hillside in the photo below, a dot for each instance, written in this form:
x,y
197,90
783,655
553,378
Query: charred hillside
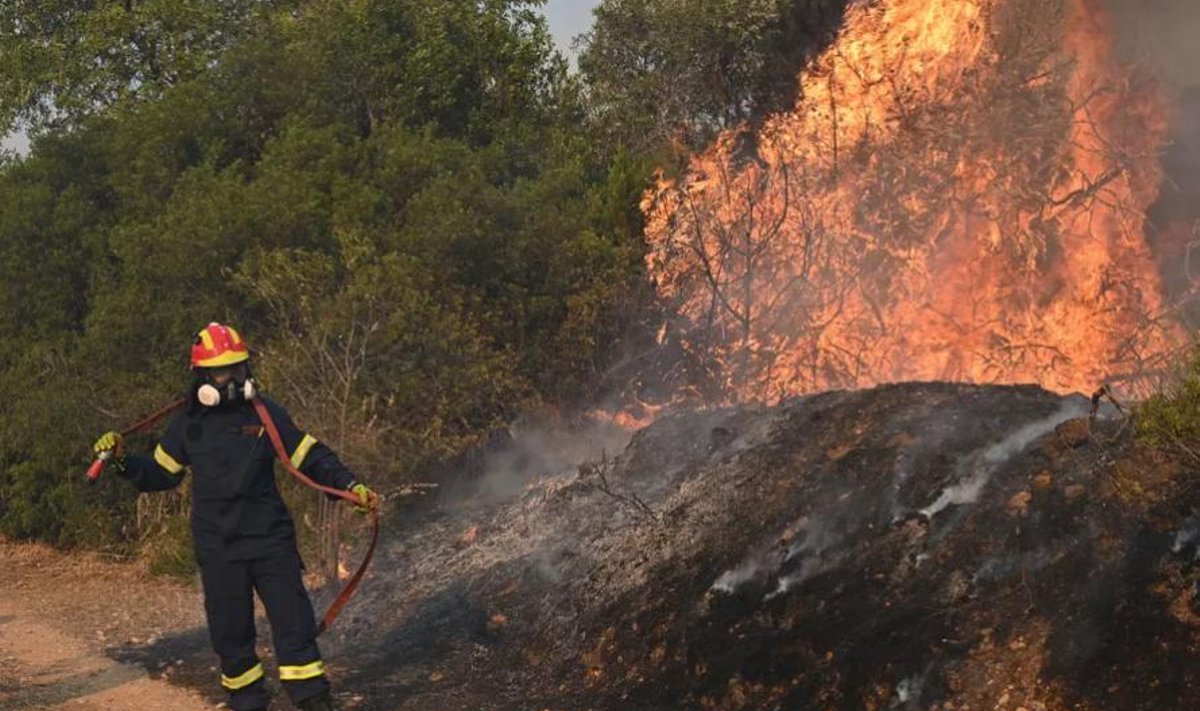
x,y
908,547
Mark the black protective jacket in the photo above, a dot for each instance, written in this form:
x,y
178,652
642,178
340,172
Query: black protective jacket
x,y
237,512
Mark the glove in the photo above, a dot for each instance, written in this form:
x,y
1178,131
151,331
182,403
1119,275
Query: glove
x,y
110,442
367,499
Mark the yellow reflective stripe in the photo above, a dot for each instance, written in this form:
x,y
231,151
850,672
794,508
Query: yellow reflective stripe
x,y
233,336
226,358
302,450
240,682
300,673
166,461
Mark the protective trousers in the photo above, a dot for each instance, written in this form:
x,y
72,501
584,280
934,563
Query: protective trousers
x,y
229,588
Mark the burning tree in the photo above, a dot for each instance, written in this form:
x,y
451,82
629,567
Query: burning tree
x,y
751,271
960,194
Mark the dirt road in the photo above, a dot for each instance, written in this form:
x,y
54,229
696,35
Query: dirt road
x,y
66,621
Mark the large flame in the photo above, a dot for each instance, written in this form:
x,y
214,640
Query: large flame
x,y
959,194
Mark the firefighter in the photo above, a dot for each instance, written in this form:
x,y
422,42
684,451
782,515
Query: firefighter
x,y
244,537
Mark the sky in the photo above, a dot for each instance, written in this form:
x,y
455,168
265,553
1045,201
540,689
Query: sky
x,y
16,143
568,18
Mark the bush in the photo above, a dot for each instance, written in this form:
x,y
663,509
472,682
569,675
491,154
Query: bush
x,y
1171,419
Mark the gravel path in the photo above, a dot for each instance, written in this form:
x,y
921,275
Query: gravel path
x,y
66,620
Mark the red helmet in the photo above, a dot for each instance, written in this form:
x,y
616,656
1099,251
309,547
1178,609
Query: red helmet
x,y
218,346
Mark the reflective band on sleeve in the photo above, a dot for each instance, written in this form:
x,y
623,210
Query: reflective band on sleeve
x,y
300,673
302,450
166,461
240,682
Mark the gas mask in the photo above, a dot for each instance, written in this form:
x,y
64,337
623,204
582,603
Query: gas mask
x,y
235,389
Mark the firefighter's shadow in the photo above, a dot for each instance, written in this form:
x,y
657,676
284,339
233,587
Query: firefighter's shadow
x,y
164,651
183,658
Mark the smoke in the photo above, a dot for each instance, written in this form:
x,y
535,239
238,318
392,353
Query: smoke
x,y
790,564
1019,440
1161,34
813,551
1188,536
908,692
1022,564
967,490
816,543
538,452
816,546
731,580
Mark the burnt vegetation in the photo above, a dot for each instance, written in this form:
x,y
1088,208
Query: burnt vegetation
x,y
909,547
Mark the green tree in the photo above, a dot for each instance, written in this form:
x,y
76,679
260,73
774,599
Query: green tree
x,y
676,71
469,68
397,202
69,59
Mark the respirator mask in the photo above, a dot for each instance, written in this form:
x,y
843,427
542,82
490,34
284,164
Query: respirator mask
x,y
239,387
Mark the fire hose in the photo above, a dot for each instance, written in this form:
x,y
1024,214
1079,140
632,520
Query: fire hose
x,y
347,592
97,467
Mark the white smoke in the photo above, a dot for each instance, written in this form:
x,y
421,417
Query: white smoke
x,y
815,554
816,544
908,691
968,489
1188,536
543,452
1023,564
812,543
731,580
965,492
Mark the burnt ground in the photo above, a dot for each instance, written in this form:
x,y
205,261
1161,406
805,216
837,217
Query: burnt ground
x,y
919,546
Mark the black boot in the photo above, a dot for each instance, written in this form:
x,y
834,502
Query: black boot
x,y
320,702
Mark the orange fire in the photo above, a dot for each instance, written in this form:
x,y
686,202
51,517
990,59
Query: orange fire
x,y
959,194
636,415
